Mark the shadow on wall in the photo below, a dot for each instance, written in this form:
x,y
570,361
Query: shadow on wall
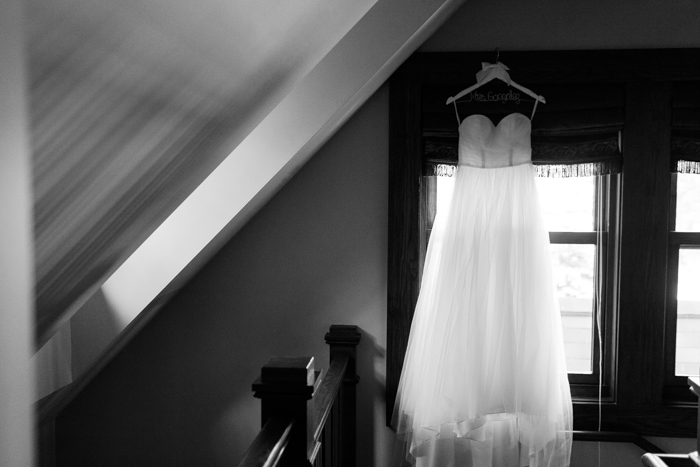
x,y
93,328
234,424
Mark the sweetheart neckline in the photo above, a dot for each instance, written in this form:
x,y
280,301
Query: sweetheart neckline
x,y
494,125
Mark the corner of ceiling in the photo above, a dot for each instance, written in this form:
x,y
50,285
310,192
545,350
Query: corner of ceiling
x,y
285,139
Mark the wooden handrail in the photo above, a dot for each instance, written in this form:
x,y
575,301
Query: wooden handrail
x,y
269,445
308,420
327,392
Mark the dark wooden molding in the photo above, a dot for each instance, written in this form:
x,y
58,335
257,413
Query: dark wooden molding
x,y
646,183
556,66
405,246
648,420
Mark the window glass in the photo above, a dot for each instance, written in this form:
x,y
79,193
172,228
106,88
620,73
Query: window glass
x,y
568,204
687,203
688,324
688,295
573,271
445,185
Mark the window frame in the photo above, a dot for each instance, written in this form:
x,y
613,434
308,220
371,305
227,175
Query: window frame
x,y
675,387
606,192
585,387
637,399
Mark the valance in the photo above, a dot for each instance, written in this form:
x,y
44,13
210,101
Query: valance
x,y
578,132
685,131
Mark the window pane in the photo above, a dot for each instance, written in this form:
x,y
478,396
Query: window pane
x,y
688,203
572,265
573,270
688,324
445,185
568,204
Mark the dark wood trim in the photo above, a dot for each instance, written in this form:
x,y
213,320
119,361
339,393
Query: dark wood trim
x,y
646,188
405,245
580,238
556,66
684,238
670,378
648,420
327,392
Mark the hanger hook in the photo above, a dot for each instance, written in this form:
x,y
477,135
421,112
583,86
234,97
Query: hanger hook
x,y
498,53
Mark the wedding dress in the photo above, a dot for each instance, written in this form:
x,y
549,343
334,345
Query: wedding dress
x,y
484,379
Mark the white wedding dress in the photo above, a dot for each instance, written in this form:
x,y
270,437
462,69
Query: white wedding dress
x,y
484,379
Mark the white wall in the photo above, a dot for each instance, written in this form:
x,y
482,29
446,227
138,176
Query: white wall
x,y
16,255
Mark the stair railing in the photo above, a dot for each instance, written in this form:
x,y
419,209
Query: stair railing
x,y
308,419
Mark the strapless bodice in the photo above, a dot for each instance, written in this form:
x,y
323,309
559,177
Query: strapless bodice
x,y
483,144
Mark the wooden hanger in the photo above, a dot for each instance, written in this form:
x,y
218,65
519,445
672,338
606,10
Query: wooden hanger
x,y
490,71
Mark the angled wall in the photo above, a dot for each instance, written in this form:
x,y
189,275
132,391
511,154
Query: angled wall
x,y
315,255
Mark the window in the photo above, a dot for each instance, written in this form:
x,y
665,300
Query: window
x,y
684,276
636,249
569,207
574,210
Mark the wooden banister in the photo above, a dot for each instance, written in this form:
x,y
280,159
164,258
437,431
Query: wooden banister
x,y
308,420
327,392
269,445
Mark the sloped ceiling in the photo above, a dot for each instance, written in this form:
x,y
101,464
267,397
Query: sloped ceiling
x,y
134,103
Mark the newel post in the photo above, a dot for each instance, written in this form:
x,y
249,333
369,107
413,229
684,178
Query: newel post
x,y
285,389
343,341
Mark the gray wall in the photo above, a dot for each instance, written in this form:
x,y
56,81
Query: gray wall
x,y
179,394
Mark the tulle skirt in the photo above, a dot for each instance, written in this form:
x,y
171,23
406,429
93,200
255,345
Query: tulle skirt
x,y
484,379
